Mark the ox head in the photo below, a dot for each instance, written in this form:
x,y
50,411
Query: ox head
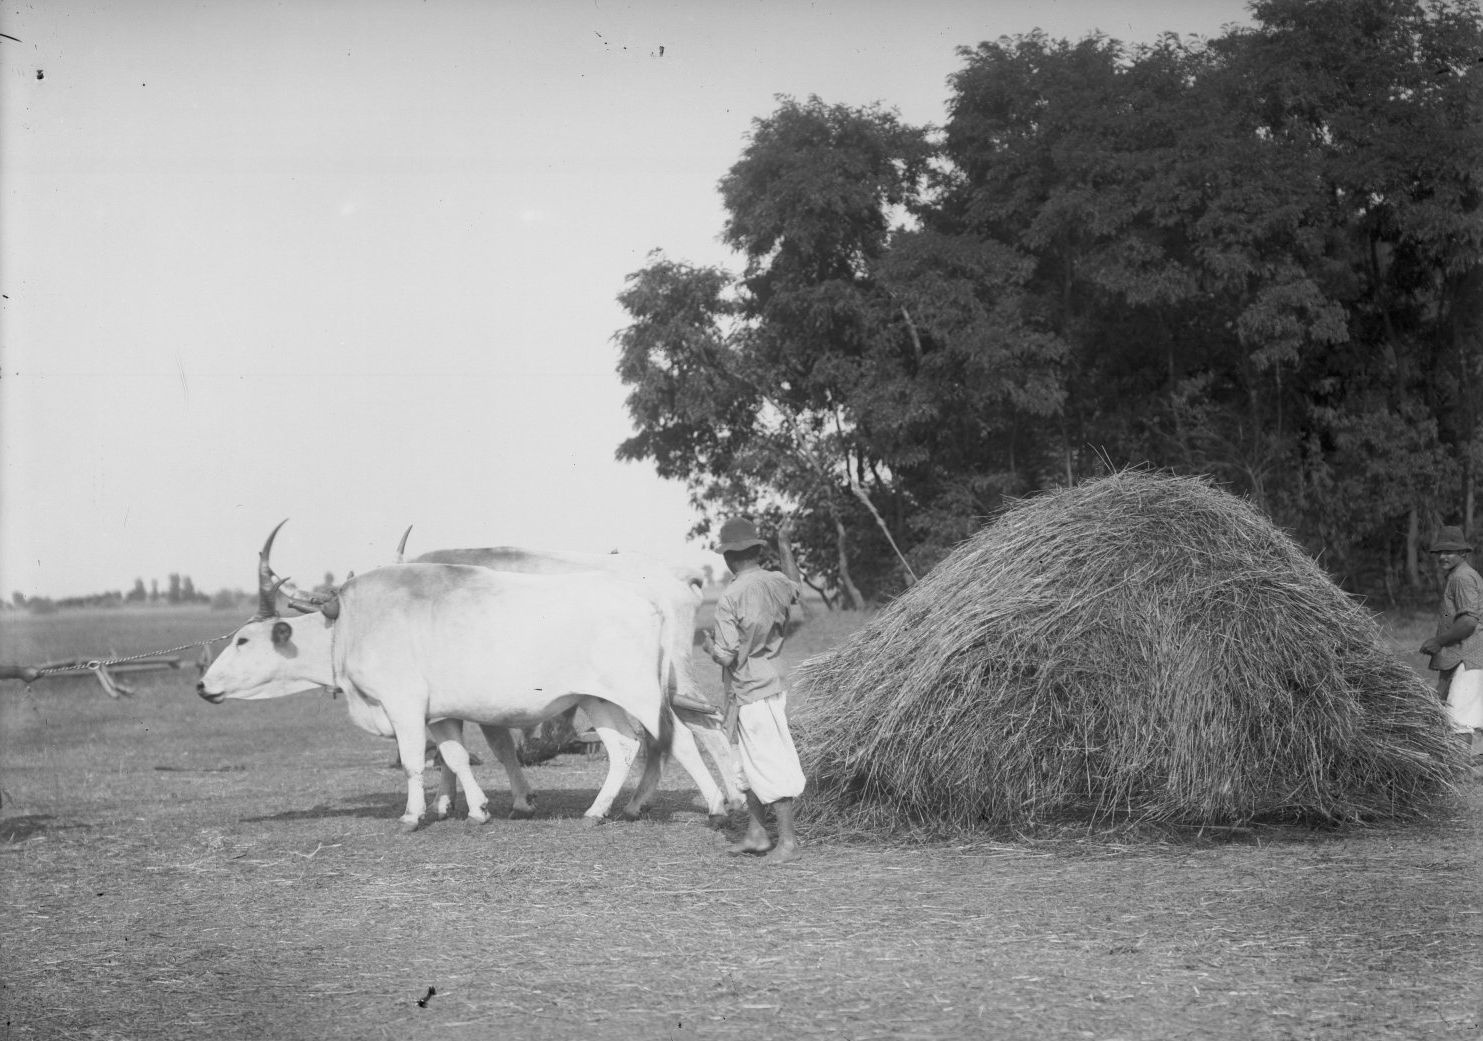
x,y
693,579
272,656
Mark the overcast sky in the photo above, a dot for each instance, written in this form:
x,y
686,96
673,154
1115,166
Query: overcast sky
x,y
355,263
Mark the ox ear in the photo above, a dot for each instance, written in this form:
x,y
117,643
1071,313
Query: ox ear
x,y
282,633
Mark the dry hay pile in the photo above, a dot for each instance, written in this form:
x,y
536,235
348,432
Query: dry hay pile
x,y
1140,648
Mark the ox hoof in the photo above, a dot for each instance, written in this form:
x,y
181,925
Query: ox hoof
x,y
590,820
717,821
630,815
480,814
522,813
407,825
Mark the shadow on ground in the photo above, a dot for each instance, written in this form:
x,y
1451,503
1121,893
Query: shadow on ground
x,y
550,804
368,806
19,829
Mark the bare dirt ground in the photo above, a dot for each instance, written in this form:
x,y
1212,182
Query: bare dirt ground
x,y
177,870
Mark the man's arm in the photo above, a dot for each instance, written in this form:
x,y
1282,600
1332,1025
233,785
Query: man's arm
x,y
1462,627
724,642
1467,594
797,611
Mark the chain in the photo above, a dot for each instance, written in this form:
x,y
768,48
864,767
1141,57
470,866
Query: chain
x,y
94,664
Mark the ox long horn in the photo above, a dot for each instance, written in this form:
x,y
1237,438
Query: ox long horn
x,y
401,547
267,589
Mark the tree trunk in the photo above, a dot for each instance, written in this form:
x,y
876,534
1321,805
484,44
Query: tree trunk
x,y
822,593
1469,490
1413,554
854,600
864,497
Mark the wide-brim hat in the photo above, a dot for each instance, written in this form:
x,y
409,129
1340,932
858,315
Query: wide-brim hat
x,y
1449,540
739,534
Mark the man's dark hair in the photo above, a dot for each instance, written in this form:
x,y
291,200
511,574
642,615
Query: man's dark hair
x,y
743,555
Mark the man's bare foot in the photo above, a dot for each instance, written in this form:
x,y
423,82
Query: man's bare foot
x,y
783,853
754,841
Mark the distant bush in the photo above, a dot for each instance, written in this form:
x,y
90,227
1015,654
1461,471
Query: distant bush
x,y
112,599
227,599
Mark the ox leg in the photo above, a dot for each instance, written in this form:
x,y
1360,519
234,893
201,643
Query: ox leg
x,y
687,754
447,782
447,790
616,731
411,742
503,747
648,784
448,733
710,736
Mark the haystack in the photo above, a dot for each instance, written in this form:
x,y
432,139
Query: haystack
x,y
1138,648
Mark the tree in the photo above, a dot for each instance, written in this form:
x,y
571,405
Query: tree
x,y
965,415
699,403
1253,261
750,389
1255,257
1159,251
137,595
1384,95
811,205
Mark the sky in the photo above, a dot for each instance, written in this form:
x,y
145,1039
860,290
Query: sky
x,y
356,264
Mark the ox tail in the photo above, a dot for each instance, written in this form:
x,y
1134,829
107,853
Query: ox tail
x,y
666,739
668,683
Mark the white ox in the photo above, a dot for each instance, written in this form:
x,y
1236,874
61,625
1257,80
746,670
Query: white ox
x,y
419,648
676,590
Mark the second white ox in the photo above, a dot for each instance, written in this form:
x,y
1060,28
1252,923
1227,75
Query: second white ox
x,y
417,648
675,590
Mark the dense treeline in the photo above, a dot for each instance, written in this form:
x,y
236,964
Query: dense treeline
x,y
1255,257
179,590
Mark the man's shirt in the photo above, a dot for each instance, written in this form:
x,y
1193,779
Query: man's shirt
x,y
1463,596
750,618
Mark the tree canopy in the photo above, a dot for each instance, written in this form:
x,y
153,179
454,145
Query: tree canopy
x,y
1255,257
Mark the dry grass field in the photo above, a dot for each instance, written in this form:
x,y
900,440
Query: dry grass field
x,y
175,870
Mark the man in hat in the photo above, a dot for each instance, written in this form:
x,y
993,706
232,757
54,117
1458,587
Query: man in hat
x,y
1456,650
752,618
